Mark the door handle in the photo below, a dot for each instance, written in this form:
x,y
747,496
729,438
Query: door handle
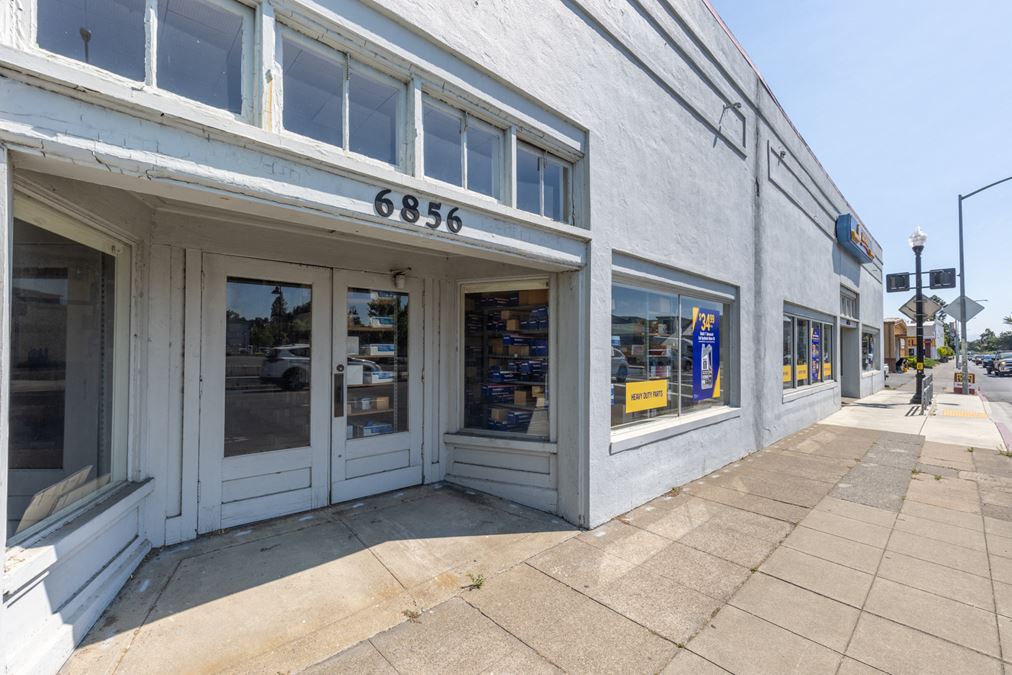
x,y
339,392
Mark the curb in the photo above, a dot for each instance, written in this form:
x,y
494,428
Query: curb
x,y
1004,431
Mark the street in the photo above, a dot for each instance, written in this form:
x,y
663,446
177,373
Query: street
x,y
998,392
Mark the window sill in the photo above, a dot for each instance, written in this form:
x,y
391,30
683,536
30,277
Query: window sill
x,y
483,442
651,432
28,560
809,390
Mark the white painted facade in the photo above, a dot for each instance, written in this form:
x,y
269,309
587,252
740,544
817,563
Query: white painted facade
x,y
686,177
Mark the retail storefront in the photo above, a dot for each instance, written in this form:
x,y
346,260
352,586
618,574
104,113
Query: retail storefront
x,y
264,257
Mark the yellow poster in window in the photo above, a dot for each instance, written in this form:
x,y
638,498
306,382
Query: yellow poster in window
x,y
646,395
802,371
827,371
787,373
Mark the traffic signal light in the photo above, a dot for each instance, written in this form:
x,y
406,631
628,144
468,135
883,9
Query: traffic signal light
x,y
898,282
942,278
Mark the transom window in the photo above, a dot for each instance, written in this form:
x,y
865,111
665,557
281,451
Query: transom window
x,y
461,149
198,50
542,183
331,98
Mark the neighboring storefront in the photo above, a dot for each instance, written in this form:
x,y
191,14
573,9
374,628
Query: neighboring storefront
x,y
263,257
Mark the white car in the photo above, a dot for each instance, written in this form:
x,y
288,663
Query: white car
x,y
288,366
1003,364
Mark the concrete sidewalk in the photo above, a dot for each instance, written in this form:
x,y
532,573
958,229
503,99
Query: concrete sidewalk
x,y
840,549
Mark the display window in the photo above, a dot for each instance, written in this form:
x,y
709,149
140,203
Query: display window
x,y
506,360
808,352
69,334
869,351
667,354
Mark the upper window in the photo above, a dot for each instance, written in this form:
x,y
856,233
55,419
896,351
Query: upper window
x,y
313,98
461,150
200,45
374,106
108,34
542,183
70,299
668,354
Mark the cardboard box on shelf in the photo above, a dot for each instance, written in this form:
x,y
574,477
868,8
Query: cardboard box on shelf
x,y
377,377
520,397
380,349
352,345
513,324
382,403
354,373
519,350
495,346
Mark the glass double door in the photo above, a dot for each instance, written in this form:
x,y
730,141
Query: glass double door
x,y
310,388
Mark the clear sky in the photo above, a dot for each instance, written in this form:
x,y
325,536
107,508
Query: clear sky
x,y
907,104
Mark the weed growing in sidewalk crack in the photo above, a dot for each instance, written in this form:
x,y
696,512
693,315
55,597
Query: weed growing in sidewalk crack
x,y
969,449
937,477
680,645
915,472
1005,453
412,614
477,581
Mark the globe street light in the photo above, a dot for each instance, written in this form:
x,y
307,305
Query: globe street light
x,y
917,240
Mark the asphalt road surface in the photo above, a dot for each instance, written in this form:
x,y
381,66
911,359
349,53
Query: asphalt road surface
x,y
997,390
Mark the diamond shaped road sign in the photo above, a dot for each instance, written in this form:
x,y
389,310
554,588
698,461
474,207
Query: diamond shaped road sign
x,y
930,308
954,309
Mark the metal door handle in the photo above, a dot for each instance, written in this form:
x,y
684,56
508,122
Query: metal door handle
x,y
339,392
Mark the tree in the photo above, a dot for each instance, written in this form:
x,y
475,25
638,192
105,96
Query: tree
x,y
1008,319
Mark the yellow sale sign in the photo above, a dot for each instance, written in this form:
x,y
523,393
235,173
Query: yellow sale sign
x,y
646,395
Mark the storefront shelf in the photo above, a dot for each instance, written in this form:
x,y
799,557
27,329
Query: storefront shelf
x,y
514,358
526,383
514,406
373,329
370,412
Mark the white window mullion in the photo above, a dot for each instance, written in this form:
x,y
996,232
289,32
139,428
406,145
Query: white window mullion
x,y
509,180
151,43
542,164
414,150
269,92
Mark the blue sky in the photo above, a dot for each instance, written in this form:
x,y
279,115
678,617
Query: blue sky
x,y
907,104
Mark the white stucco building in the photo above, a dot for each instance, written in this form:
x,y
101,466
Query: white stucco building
x,y
261,256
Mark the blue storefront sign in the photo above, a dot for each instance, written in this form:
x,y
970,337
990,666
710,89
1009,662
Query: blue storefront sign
x,y
705,353
856,240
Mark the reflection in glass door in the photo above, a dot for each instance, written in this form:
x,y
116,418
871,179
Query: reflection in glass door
x,y
268,366
376,433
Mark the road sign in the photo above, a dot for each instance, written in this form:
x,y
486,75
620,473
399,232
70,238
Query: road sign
x,y
930,308
897,282
955,309
944,278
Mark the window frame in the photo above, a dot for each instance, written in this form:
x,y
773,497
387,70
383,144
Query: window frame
x,y
543,158
467,119
729,349
49,218
369,72
338,58
523,283
826,328
876,350
246,10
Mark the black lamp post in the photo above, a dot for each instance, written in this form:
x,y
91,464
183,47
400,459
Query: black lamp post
x,y
917,240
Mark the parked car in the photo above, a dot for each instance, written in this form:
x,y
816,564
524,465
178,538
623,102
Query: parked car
x,y
1003,364
287,366
619,365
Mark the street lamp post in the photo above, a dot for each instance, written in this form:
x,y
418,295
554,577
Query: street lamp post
x,y
962,282
917,240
